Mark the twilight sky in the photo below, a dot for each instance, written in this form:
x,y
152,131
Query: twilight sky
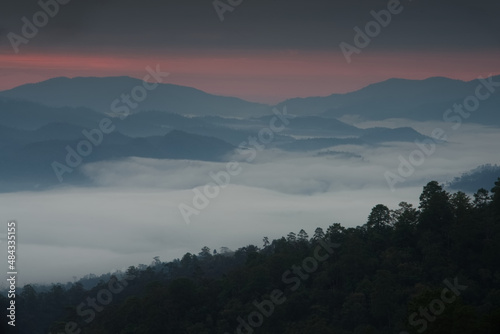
x,y
263,51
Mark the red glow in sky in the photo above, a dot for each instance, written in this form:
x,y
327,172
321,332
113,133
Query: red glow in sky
x,y
267,77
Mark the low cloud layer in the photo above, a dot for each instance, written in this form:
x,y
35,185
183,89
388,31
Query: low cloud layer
x,y
74,232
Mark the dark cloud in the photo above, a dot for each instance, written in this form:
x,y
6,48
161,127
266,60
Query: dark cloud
x,y
259,24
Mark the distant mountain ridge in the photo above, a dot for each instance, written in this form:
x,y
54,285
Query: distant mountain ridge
x,y
26,157
34,134
421,100
99,93
480,177
394,98
27,154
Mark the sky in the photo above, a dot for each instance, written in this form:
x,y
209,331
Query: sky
x,y
263,51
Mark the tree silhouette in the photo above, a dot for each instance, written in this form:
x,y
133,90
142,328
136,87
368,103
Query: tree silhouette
x,y
318,234
291,237
266,241
481,198
379,217
302,236
205,252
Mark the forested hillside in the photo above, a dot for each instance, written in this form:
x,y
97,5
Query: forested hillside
x,y
432,269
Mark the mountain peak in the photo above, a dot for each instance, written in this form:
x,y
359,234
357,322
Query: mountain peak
x,y
110,94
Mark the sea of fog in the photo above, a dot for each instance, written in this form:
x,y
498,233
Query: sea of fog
x,y
132,213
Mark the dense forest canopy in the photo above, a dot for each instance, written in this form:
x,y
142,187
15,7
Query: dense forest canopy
x,y
432,269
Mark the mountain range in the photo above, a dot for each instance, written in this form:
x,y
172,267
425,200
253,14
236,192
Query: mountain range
x,y
39,121
420,100
394,98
